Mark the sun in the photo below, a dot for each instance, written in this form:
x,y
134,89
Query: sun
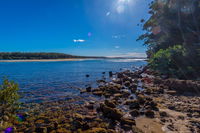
x,y
121,5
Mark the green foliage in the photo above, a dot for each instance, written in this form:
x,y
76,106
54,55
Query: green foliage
x,y
167,61
9,93
174,22
21,55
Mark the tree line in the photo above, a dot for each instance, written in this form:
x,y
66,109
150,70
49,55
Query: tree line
x,y
172,36
21,55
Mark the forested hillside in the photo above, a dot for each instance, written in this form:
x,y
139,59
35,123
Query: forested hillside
x,y
20,55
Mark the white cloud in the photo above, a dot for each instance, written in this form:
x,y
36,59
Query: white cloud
x,y
117,47
79,40
118,36
108,13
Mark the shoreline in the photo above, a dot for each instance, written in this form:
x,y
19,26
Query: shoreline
x,y
134,101
47,60
60,60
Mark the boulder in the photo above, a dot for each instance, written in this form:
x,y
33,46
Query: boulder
x,y
111,113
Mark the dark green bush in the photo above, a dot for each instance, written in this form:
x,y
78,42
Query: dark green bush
x,y
172,62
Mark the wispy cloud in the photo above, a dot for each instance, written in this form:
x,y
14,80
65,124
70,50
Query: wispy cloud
x,y
79,40
118,36
108,13
117,47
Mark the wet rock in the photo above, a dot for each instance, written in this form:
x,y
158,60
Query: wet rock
x,y
89,89
112,113
98,93
110,104
133,104
134,113
149,113
110,74
41,130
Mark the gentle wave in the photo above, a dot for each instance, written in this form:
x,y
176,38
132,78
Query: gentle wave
x,y
125,60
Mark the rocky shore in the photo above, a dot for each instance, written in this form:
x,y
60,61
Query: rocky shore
x,y
131,101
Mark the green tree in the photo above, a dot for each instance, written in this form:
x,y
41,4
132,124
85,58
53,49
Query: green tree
x,y
174,22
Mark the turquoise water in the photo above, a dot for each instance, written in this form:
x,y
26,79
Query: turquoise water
x,y
40,81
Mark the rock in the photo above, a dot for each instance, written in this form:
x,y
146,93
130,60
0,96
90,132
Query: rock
x,y
117,96
110,104
163,114
111,113
89,106
149,113
135,113
125,93
62,130
126,121
110,74
171,92
133,104
126,127
5,118
98,93
87,75
127,84
97,130
89,89
41,130
77,116
141,99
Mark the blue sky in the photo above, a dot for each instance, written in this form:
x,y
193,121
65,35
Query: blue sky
x,y
79,27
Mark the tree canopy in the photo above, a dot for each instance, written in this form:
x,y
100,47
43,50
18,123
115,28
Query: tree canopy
x,y
172,23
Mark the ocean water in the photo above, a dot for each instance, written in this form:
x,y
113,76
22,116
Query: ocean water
x,y
39,81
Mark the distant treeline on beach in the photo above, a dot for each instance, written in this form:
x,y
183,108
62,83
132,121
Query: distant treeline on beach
x,y
42,55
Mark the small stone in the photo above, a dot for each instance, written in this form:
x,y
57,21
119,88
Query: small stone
x,y
149,113
41,130
5,118
134,113
110,104
89,89
163,114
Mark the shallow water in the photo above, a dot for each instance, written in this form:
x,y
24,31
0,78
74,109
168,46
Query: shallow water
x,y
41,81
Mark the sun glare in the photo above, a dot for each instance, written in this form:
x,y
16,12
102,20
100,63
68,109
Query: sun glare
x,y
121,5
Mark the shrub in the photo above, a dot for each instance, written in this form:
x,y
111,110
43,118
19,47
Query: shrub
x,y
172,62
9,98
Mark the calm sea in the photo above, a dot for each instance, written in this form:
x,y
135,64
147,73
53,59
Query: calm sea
x,y
41,81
